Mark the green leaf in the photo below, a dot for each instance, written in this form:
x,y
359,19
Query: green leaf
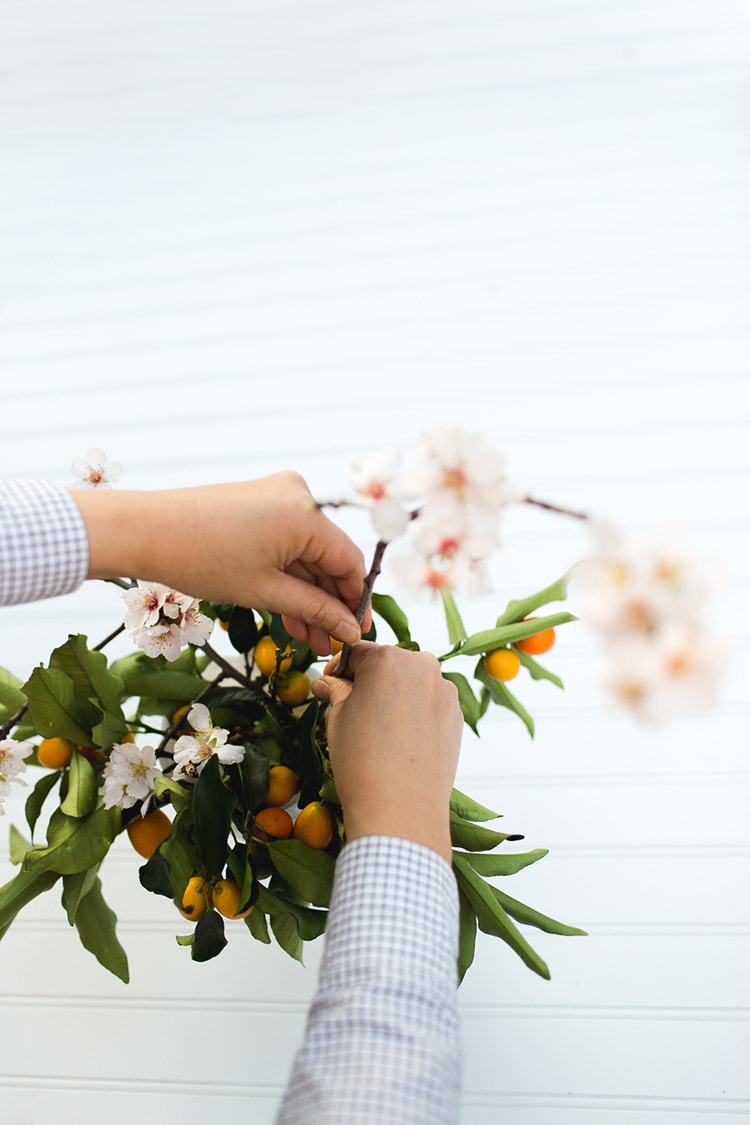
x,y
456,628
55,709
467,700
258,927
467,934
311,766
470,809
243,630
516,610
179,795
12,698
82,787
308,872
310,923
155,875
472,837
178,851
391,612
535,669
175,686
20,891
213,805
500,695
253,771
75,888
19,845
492,918
38,796
73,844
89,673
285,931
208,939
530,917
241,868
508,863
95,923
489,639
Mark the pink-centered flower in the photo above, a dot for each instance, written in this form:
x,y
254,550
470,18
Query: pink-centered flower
x,y
192,751
12,762
128,776
162,621
95,470
376,481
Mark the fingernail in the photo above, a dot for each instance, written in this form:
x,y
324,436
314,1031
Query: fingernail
x,y
348,633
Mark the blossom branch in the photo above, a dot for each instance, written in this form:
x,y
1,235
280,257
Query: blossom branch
x,y
555,508
364,603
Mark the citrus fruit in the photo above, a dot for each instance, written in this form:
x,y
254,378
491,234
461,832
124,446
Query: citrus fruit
x,y
283,785
223,624
273,824
195,900
502,664
294,688
147,832
265,657
314,825
336,646
129,737
225,896
54,753
537,643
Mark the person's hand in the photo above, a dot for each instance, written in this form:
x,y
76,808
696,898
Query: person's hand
x,y
393,735
262,543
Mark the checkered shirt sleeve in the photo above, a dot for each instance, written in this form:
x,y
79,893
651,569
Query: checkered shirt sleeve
x,y
44,549
382,1040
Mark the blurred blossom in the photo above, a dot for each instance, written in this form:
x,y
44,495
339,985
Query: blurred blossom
x,y
95,470
375,479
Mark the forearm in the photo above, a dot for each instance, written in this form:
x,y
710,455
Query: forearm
x,y
382,1041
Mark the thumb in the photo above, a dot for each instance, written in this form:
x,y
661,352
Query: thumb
x,y
329,689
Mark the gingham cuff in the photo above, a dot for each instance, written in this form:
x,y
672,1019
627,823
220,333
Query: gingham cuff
x,y
44,549
382,1044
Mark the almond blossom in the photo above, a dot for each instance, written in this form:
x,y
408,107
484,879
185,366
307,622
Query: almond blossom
x,y
95,470
376,479
128,776
192,751
12,755
162,621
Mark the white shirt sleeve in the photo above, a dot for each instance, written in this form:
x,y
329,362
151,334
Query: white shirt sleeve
x,y
382,1040
44,549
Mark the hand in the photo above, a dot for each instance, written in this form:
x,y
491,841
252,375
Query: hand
x,y
393,735
262,543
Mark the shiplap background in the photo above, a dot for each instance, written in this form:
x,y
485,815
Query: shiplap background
x,y
250,235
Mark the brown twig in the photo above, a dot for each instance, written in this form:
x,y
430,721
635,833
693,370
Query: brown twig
x,y
555,508
364,604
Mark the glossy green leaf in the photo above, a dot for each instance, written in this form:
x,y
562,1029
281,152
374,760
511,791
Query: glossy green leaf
x,y
503,697
467,700
310,923
83,787
213,805
530,917
243,630
73,844
258,927
209,938
179,795
12,698
391,612
518,609
473,837
92,678
308,872
254,770
507,863
19,845
489,639
467,934
75,888
492,918
470,809
155,875
456,628
536,670
55,710
179,853
179,687
20,891
38,796
285,931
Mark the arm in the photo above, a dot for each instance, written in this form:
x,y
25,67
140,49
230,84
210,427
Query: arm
x,y
260,543
382,1041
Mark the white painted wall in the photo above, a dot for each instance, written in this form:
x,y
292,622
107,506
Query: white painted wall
x,y
241,236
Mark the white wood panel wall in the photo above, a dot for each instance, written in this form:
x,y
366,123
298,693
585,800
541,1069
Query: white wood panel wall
x,y
241,236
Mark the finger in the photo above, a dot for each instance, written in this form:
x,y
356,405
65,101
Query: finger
x,y
303,602
330,690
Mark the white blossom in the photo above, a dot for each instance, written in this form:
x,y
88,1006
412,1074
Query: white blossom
x,y
460,467
162,621
128,776
376,480
192,751
95,470
12,755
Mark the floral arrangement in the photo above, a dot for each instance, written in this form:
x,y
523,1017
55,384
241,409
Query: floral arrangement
x,y
216,766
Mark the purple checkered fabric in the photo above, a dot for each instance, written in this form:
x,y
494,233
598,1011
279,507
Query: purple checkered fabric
x,y
382,1041
44,549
